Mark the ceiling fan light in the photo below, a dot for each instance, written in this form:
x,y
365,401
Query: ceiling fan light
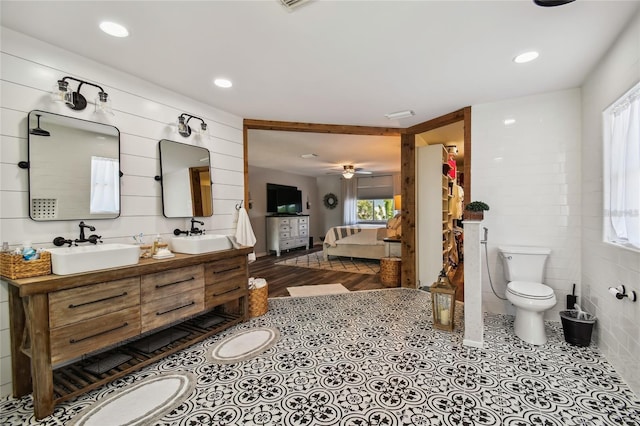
x,y
348,172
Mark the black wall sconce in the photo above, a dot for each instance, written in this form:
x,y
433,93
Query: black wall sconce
x,y
75,100
183,124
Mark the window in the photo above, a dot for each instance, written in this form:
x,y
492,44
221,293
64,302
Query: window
x,y
375,199
621,137
375,210
105,185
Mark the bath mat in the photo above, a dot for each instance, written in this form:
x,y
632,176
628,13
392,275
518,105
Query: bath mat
x,y
139,403
316,290
244,345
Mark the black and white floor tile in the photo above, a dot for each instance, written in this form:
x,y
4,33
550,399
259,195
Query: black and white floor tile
x,y
373,359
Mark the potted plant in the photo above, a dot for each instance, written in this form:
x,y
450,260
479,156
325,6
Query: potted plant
x,y
475,210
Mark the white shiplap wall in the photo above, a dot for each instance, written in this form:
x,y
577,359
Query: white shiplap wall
x,y
143,112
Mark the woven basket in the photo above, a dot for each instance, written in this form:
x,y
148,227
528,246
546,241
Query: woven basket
x,y
13,266
390,271
258,301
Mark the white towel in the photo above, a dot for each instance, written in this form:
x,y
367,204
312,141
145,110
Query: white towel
x,y
244,231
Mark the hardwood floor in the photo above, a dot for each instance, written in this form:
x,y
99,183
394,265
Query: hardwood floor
x,y
280,277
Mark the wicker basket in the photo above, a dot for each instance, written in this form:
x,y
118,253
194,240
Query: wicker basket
x,y
258,301
13,266
390,271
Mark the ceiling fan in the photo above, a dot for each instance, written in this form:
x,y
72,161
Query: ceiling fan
x,y
348,171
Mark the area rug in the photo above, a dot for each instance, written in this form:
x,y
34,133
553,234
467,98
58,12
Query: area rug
x,y
316,290
343,264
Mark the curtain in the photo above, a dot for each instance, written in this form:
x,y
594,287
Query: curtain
x,y
624,170
105,185
350,197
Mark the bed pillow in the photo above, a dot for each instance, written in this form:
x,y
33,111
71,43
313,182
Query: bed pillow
x,y
394,222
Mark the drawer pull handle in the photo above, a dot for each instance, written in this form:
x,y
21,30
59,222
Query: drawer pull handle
x,y
72,341
174,283
225,292
71,306
226,270
176,308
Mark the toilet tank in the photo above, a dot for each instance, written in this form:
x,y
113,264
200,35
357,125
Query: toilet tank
x,y
524,263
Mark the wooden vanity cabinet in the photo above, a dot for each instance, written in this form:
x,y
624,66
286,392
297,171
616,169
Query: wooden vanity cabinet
x,y
60,324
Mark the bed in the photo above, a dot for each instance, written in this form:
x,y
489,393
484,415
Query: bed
x,y
362,241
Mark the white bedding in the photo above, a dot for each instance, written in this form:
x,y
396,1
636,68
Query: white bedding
x,y
357,234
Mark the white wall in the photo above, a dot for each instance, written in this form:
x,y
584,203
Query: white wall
x,y
529,174
617,330
29,69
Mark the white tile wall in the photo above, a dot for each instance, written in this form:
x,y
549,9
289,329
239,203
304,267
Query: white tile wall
x,y
617,329
142,114
529,174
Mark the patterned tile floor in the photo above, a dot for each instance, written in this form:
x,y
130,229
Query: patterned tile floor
x,y
372,358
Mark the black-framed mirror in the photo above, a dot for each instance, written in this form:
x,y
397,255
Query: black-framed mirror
x,y
74,168
186,180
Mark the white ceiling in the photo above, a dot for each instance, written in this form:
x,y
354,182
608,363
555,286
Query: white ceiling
x,y
336,62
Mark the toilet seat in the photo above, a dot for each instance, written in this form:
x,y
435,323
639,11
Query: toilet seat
x,y
530,290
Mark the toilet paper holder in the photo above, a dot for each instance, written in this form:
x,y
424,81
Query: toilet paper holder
x,y
620,293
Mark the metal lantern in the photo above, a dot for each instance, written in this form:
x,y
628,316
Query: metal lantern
x,y
443,298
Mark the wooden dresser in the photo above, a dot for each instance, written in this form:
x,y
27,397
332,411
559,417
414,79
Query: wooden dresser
x,y
61,324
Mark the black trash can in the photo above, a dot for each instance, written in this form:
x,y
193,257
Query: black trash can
x,y
577,330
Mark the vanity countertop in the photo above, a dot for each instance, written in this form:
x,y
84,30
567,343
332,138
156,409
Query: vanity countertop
x,y
50,283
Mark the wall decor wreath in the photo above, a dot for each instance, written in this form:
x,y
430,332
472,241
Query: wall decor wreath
x,y
330,201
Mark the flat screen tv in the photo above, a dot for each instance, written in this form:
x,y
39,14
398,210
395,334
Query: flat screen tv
x,y
283,199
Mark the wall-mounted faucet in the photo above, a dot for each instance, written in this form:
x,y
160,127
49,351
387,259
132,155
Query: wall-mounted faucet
x,y
93,238
194,230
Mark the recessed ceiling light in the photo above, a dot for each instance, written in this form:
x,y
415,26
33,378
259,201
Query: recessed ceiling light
x,y
526,57
222,82
309,155
509,121
400,114
114,29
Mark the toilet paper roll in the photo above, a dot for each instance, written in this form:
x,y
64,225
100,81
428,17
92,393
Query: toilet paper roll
x,y
614,291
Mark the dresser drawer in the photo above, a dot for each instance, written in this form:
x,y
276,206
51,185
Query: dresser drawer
x,y
170,309
168,283
94,334
82,303
303,219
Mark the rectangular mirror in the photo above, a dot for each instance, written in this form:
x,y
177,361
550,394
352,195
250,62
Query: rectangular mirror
x,y
186,180
74,168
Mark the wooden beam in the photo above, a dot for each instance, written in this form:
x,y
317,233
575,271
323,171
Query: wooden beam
x,y
452,117
408,192
287,126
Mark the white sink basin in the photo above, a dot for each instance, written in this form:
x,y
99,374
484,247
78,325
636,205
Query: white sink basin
x,y
196,244
73,260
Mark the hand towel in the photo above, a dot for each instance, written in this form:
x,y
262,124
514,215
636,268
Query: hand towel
x,y
244,231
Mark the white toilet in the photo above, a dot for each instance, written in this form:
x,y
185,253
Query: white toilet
x,y
524,269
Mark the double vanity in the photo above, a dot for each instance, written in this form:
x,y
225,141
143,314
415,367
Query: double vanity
x,y
63,326
104,312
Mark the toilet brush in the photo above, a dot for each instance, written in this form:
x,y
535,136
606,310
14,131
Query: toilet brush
x,y
572,298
